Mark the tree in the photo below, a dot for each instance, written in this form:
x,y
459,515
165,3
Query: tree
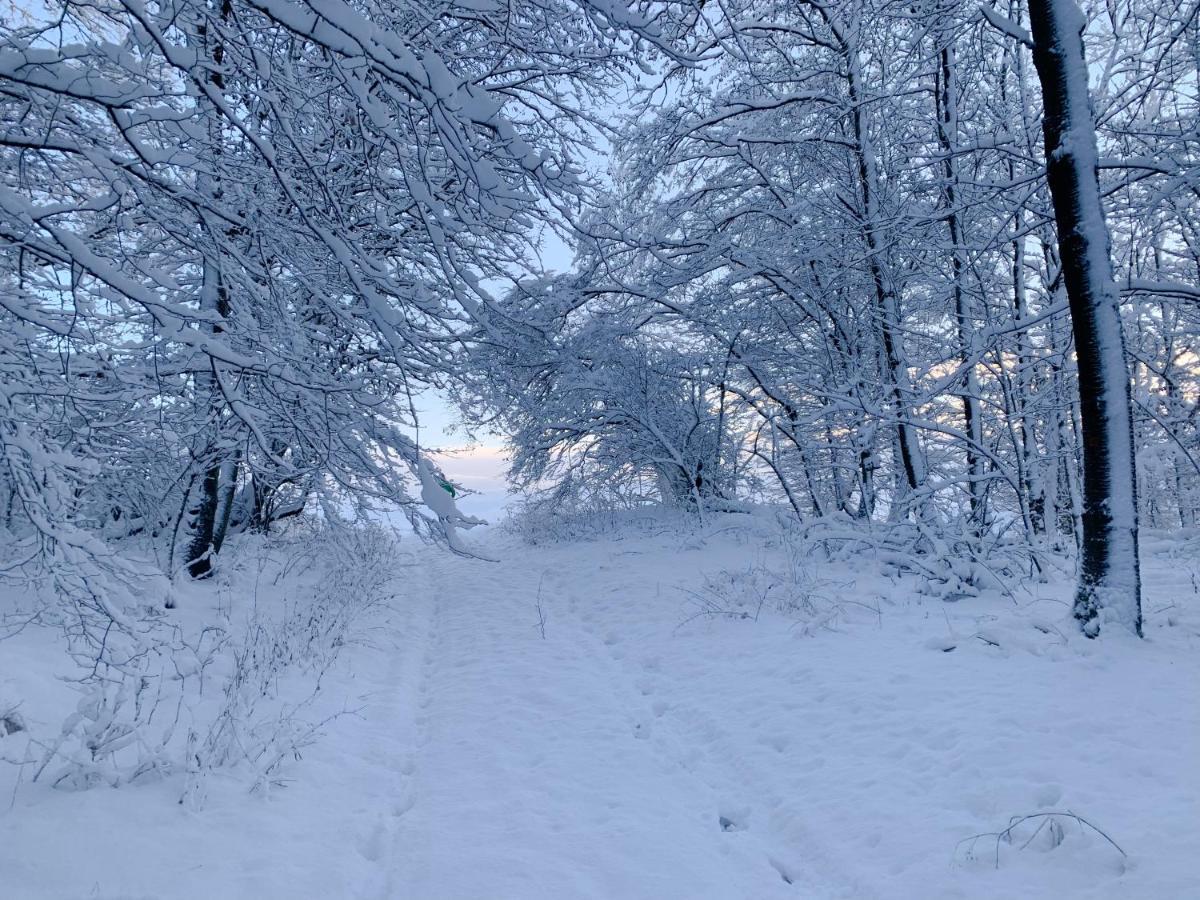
x,y
593,408
844,203
1109,579
260,228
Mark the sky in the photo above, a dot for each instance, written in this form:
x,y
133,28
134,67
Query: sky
x,y
479,466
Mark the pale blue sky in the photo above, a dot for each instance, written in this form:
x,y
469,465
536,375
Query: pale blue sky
x,y
481,466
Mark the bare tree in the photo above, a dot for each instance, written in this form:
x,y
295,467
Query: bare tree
x,y
1109,580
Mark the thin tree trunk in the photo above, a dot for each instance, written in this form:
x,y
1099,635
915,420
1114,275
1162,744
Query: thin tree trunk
x,y
947,104
1038,490
204,532
201,525
887,304
1032,482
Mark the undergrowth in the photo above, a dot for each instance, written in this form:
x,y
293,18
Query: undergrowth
x,y
229,682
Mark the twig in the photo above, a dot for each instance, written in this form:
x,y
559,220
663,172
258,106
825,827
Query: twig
x,y
541,622
1006,834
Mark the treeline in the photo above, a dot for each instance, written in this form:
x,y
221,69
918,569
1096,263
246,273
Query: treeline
x,y
832,272
238,238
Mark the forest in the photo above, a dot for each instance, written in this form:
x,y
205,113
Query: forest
x,y
890,308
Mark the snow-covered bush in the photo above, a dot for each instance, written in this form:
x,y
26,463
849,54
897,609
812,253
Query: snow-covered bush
x,y
239,691
273,668
796,592
784,579
946,564
540,520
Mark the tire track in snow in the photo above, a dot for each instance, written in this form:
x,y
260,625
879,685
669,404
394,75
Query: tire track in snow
x,y
534,775
396,721
694,740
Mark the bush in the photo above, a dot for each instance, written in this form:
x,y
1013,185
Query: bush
x,y
237,694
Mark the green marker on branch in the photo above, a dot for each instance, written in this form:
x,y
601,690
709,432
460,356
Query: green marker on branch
x,y
448,488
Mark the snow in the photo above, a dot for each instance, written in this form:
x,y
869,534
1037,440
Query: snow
x,y
562,724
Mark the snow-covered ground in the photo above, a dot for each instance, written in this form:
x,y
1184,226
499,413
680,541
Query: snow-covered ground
x,y
620,717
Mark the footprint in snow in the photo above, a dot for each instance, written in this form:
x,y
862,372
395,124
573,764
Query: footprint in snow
x,y
733,817
371,848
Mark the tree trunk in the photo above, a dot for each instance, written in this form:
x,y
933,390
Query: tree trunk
x,y
205,533
947,109
1109,587
895,369
226,492
1033,479
202,521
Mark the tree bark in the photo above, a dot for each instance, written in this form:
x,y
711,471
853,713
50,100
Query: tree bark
x,y
947,109
205,532
895,367
1109,589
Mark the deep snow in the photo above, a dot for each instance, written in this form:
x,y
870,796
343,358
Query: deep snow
x,y
562,724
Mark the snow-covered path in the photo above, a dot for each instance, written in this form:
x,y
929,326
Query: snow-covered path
x,y
545,766
623,756
613,745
